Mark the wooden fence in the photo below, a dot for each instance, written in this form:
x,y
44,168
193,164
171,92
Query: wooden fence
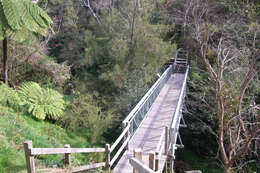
x,y
31,152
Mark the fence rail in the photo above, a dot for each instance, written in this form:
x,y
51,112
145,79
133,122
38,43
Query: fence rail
x,y
31,152
140,167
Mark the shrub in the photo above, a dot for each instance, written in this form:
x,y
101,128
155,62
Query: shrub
x,y
41,102
8,96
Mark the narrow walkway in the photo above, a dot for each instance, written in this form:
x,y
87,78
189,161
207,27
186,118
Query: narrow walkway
x,y
149,132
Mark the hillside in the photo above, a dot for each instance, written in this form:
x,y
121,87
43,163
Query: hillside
x,y
16,127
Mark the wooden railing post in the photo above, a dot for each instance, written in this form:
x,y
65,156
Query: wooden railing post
x,y
138,156
151,160
67,156
107,148
156,161
166,147
29,158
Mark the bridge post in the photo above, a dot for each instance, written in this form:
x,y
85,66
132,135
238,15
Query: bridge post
x,y
151,160
107,150
166,140
156,161
138,156
171,165
171,158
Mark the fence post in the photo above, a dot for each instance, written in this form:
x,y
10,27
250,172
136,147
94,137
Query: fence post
x,y
67,156
151,160
107,148
166,140
29,158
138,156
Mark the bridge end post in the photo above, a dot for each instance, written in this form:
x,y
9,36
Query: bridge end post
x,y
138,156
166,147
107,150
151,160
156,161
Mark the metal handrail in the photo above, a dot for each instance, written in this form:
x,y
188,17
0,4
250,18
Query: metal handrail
x,y
136,116
180,99
177,114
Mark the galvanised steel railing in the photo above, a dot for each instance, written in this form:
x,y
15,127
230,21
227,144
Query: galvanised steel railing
x,y
139,112
174,128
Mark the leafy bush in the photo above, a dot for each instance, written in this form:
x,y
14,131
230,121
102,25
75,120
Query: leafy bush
x,y
85,115
41,102
8,96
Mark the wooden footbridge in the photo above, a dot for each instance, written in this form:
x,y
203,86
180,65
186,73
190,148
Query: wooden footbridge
x,y
150,133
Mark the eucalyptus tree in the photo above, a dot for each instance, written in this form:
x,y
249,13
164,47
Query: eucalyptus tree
x,y
228,47
19,20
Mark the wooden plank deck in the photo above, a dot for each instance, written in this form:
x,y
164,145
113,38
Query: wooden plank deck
x,y
148,134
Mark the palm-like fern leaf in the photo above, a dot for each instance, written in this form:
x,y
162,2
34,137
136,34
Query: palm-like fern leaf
x,y
42,102
12,13
8,96
20,17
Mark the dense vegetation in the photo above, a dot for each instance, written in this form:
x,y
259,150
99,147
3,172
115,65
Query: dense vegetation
x,y
75,83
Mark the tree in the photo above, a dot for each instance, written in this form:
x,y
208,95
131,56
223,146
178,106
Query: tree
x,y
19,19
230,52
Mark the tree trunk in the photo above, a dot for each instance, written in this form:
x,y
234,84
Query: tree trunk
x,y
227,169
5,60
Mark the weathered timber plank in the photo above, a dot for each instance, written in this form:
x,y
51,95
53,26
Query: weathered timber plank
x,y
140,167
73,169
42,151
87,167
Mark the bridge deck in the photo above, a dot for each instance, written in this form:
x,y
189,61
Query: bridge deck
x,y
149,132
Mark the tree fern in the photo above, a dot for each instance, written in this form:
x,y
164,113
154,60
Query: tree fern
x,y
41,102
19,18
20,15
8,96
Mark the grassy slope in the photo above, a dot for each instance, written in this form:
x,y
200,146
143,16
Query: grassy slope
x,y
15,128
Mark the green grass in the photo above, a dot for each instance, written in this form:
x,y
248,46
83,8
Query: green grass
x,y
15,128
197,162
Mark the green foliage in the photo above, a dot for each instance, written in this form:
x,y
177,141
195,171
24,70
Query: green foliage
x,y
198,162
85,114
8,96
41,102
20,17
15,128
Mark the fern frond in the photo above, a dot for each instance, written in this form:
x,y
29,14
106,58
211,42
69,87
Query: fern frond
x,y
12,13
9,97
42,102
18,36
38,14
29,21
18,18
